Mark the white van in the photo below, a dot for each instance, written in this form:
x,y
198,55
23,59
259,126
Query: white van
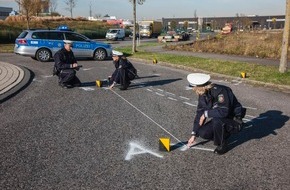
x,y
115,34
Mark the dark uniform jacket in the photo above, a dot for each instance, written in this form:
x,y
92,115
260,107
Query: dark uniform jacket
x,y
64,59
218,102
124,72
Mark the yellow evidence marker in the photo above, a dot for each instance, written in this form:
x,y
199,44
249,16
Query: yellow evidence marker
x,y
99,83
164,144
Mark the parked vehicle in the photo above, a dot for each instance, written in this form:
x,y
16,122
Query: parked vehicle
x,y
43,44
150,28
173,36
115,34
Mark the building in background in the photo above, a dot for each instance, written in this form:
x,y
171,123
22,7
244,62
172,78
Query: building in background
x,y
4,12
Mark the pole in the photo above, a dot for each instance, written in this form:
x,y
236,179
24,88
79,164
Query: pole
x,y
134,27
285,42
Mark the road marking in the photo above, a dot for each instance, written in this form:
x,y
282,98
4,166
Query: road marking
x,y
182,97
172,98
149,90
159,94
251,108
47,76
189,104
87,69
136,149
87,88
170,93
160,90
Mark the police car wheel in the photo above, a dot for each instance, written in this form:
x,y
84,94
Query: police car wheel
x,y
100,54
43,55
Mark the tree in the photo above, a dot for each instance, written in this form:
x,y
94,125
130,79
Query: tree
x,y
71,4
140,2
52,6
26,9
285,42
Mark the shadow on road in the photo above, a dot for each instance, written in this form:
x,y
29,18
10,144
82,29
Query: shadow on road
x,y
259,127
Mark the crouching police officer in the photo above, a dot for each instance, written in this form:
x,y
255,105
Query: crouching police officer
x,y
218,115
124,72
66,65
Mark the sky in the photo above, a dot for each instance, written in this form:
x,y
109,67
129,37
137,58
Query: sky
x,y
158,9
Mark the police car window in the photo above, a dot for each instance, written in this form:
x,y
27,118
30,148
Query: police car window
x,y
39,35
55,36
23,34
74,37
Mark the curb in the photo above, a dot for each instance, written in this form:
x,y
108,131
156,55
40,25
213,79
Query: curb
x,y
26,80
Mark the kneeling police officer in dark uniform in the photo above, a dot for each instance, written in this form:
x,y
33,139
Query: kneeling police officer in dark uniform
x,y
124,72
66,65
218,115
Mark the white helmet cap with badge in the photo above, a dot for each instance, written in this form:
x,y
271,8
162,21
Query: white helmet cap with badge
x,y
116,53
198,79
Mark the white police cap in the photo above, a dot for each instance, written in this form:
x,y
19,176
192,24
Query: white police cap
x,y
68,41
117,53
197,79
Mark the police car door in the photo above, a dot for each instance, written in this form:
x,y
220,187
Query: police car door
x,y
81,45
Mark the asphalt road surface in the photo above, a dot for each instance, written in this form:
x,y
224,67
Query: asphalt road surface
x,y
95,138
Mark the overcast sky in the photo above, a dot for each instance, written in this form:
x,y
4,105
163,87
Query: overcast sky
x,y
157,9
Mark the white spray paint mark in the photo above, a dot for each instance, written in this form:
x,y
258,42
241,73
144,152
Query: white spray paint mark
x,y
172,99
160,90
187,103
87,88
149,90
136,149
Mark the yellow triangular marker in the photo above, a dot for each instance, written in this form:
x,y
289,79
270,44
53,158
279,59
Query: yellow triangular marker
x,y
164,143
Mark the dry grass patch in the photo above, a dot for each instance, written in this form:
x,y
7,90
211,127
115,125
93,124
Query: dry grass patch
x,y
259,44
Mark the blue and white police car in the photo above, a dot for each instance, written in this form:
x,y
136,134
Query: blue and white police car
x,y
43,44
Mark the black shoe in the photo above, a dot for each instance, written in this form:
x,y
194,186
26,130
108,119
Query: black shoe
x,y
221,149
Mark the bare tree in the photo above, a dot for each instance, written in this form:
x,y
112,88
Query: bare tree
x,y
37,4
71,4
285,42
52,5
27,9
140,2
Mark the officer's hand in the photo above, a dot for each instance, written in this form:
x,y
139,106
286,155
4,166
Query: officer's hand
x,y
191,141
201,120
112,85
75,65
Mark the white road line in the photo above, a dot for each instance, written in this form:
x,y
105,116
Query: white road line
x,y
149,90
170,93
160,90
251,108
189,104
159,94
184,98
147,117
172,98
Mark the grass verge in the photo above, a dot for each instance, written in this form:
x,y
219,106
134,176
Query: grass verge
x,y
261,73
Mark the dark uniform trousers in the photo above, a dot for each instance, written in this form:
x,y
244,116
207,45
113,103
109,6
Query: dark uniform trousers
x,y
217,129
68,76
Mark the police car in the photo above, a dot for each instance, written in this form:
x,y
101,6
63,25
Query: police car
x,y
43,44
